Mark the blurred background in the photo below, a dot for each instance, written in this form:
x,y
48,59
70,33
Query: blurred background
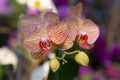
x,y
17,64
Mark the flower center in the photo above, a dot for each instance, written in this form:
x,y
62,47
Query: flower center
x,y
44,44
37,4
82,39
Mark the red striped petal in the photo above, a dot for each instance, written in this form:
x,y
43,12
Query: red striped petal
x,y
57,32
72,23
32,41
48,17
29,23
67,44
91,30
40,53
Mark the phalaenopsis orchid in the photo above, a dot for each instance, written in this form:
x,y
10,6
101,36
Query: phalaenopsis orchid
x,y
46,33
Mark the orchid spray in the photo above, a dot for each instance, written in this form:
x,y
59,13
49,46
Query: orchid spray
x,y
46,33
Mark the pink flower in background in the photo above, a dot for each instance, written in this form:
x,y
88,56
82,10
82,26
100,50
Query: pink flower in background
x,y
113,72
42,31
88,31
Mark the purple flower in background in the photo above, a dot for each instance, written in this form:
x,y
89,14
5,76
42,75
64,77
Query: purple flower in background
x,y
84,70
61,2
97,75
87,73
115,52
4,7
30,11
101,53
12,41
62,7
63,11
113,72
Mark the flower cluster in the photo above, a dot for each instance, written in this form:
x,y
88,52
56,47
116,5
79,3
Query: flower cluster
x,y
45,33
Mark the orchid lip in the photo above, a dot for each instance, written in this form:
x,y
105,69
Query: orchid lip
x,y
82,39
44,44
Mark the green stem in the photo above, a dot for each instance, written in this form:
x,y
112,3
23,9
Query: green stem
x,y
67,53
73,52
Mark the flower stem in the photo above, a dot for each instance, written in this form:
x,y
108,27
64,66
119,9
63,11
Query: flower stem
x,y
67,53
73,52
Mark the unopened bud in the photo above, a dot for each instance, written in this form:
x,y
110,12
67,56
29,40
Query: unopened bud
x,y
82,58
54,64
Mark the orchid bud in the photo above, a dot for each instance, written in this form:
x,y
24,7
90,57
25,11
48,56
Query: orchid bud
x,y
82,58
54,64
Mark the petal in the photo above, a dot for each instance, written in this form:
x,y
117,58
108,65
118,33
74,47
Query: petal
x,y
82,42
72,23
40,53
86,45
57,32
32,41
76,11
29,23
67,44
48,17
91,29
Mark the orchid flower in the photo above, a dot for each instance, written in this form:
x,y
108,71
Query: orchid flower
x,y
88,31
42,32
